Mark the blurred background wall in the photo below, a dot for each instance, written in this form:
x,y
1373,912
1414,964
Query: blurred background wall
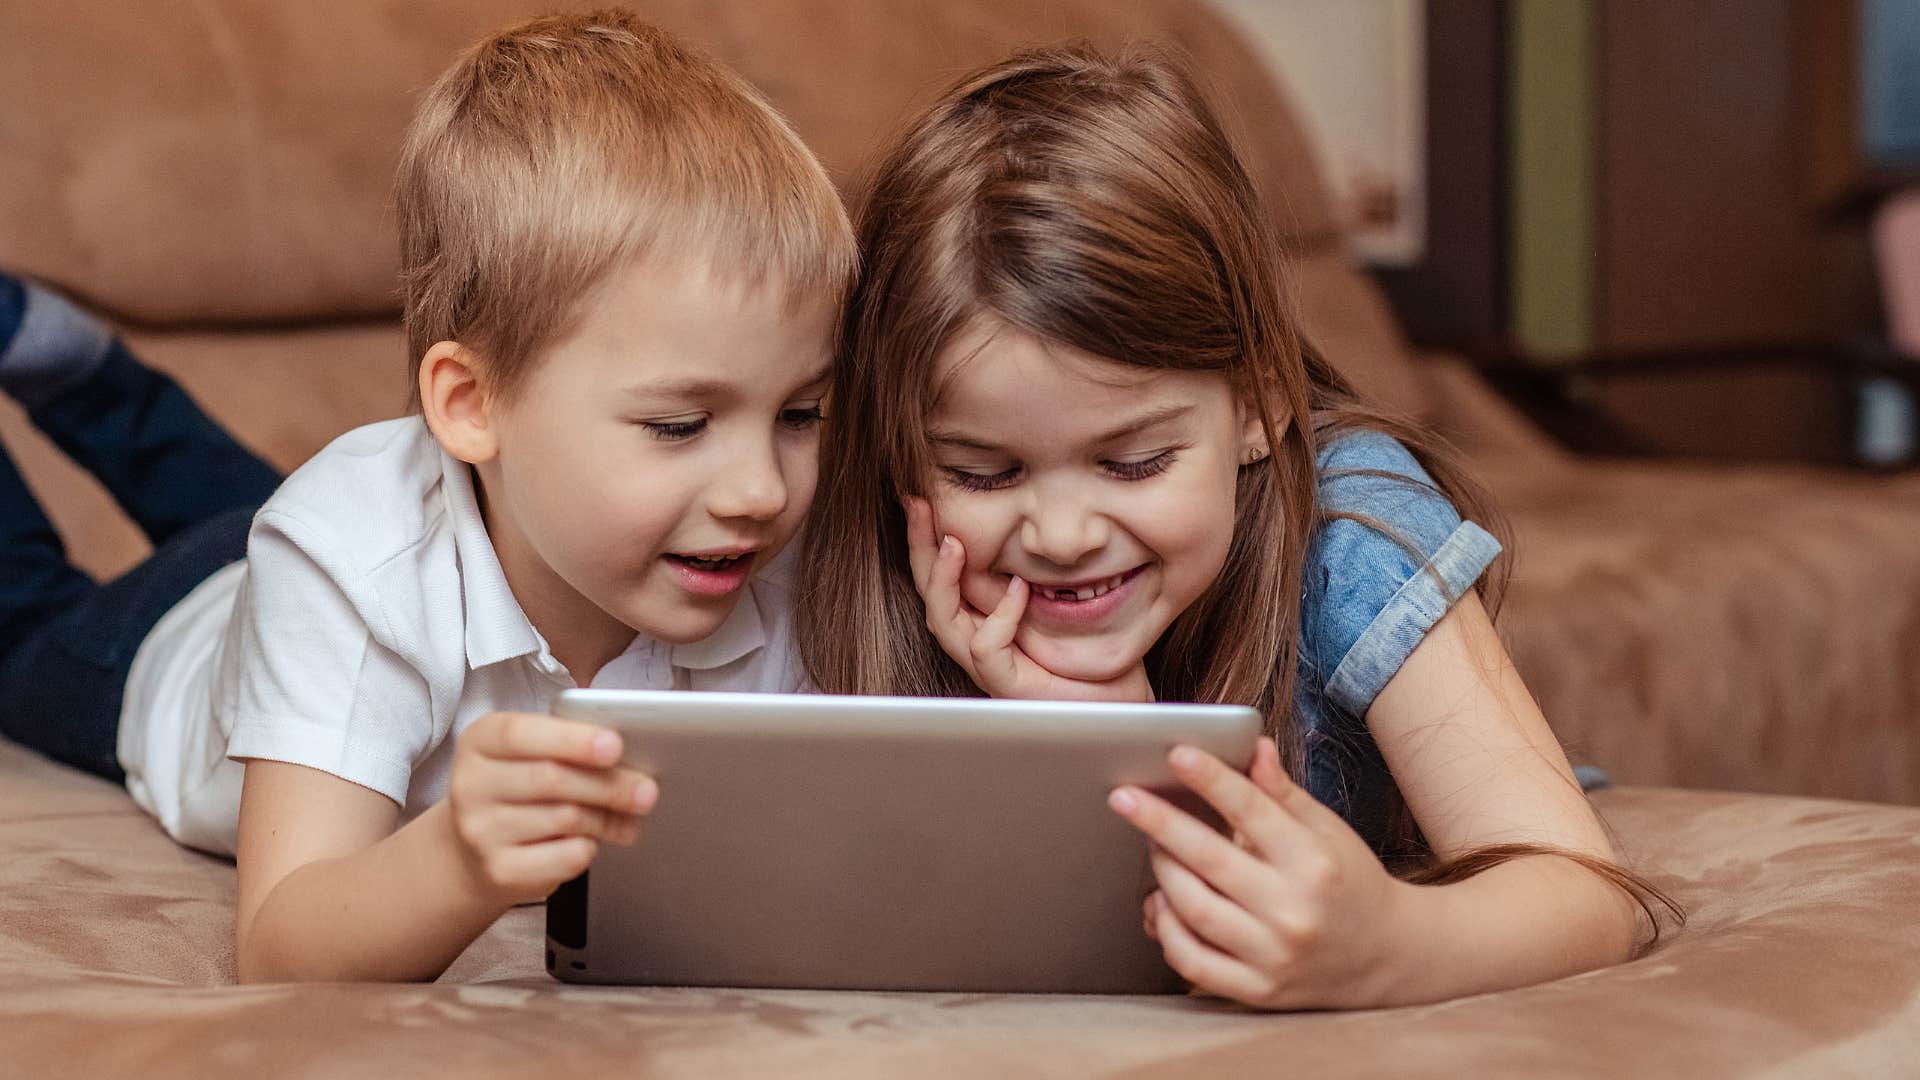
x,y
1625,175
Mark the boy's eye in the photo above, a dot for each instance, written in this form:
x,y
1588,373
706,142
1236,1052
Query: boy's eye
x,y
1141,470
675,430
973,481
802,418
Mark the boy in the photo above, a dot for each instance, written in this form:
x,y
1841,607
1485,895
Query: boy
x,y
621,273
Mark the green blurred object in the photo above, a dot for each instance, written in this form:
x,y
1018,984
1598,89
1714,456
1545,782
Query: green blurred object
x,y
1550,125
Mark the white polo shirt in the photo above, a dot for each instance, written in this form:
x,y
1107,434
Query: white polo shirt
x,y
368,626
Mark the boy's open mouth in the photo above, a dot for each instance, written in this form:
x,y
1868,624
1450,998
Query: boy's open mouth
x,y
712,573
712,563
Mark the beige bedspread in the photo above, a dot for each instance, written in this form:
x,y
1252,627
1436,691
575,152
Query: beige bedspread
x,y
1802,958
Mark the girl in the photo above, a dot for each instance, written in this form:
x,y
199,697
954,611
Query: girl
x,y
1081,451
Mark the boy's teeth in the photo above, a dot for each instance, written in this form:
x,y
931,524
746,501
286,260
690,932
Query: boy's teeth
x,y
706,563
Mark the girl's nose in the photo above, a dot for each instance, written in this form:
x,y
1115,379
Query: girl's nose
x,y
1062,530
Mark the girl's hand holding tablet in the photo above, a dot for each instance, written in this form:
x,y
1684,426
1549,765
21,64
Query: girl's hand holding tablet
x,y
1285,915
533,797
983,644
1294,912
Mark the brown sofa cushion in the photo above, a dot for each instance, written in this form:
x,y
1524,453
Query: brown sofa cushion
x,y
1345,315
1747,627
231,160
1801,955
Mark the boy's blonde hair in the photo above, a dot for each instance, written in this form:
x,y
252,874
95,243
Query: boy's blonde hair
x,y
553,153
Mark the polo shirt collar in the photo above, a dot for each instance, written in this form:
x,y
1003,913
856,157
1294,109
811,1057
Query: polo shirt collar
x,y
497,628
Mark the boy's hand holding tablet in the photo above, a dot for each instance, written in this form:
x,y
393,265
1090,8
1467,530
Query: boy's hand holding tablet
x,y
534,796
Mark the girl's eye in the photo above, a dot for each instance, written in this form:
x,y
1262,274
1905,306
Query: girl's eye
x,y
802,418
1141,470
973,481
674,430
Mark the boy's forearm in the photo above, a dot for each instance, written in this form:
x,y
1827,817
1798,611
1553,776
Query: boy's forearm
x,y
1519,923
400,910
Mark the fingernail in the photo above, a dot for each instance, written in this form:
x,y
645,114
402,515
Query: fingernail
x,y
947,543
1184,757
1123,800
606,746
645,794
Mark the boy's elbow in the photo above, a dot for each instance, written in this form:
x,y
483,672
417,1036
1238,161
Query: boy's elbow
x,y
257,958
265,966
248,969
246,972
254,964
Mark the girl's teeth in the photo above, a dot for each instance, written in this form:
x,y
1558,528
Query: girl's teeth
x,y
1089,592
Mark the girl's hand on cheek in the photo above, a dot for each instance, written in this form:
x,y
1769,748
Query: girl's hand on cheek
x,y
1291,913
983,644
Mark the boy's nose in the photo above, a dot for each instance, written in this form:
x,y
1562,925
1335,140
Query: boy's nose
x,y
754,488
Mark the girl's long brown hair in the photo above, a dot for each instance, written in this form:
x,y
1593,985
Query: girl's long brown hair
x,y
1097,203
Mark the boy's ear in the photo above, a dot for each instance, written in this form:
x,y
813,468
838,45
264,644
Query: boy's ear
x,y
455,404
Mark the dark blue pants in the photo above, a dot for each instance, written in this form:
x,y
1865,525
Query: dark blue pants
x,y
66,643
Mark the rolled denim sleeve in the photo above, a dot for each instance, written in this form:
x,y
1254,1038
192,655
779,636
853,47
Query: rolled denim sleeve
x,y
1374,588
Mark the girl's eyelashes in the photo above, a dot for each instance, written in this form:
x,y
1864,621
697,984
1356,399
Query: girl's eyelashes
x,y
1141,470
1122,470
973,481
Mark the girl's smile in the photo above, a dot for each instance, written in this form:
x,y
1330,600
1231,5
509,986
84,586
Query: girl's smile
x,y
1084,604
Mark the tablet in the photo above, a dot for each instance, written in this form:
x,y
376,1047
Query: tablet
x,y
875,843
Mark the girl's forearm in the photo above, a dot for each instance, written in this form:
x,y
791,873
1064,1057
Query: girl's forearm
x,y
1519,923
400,910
